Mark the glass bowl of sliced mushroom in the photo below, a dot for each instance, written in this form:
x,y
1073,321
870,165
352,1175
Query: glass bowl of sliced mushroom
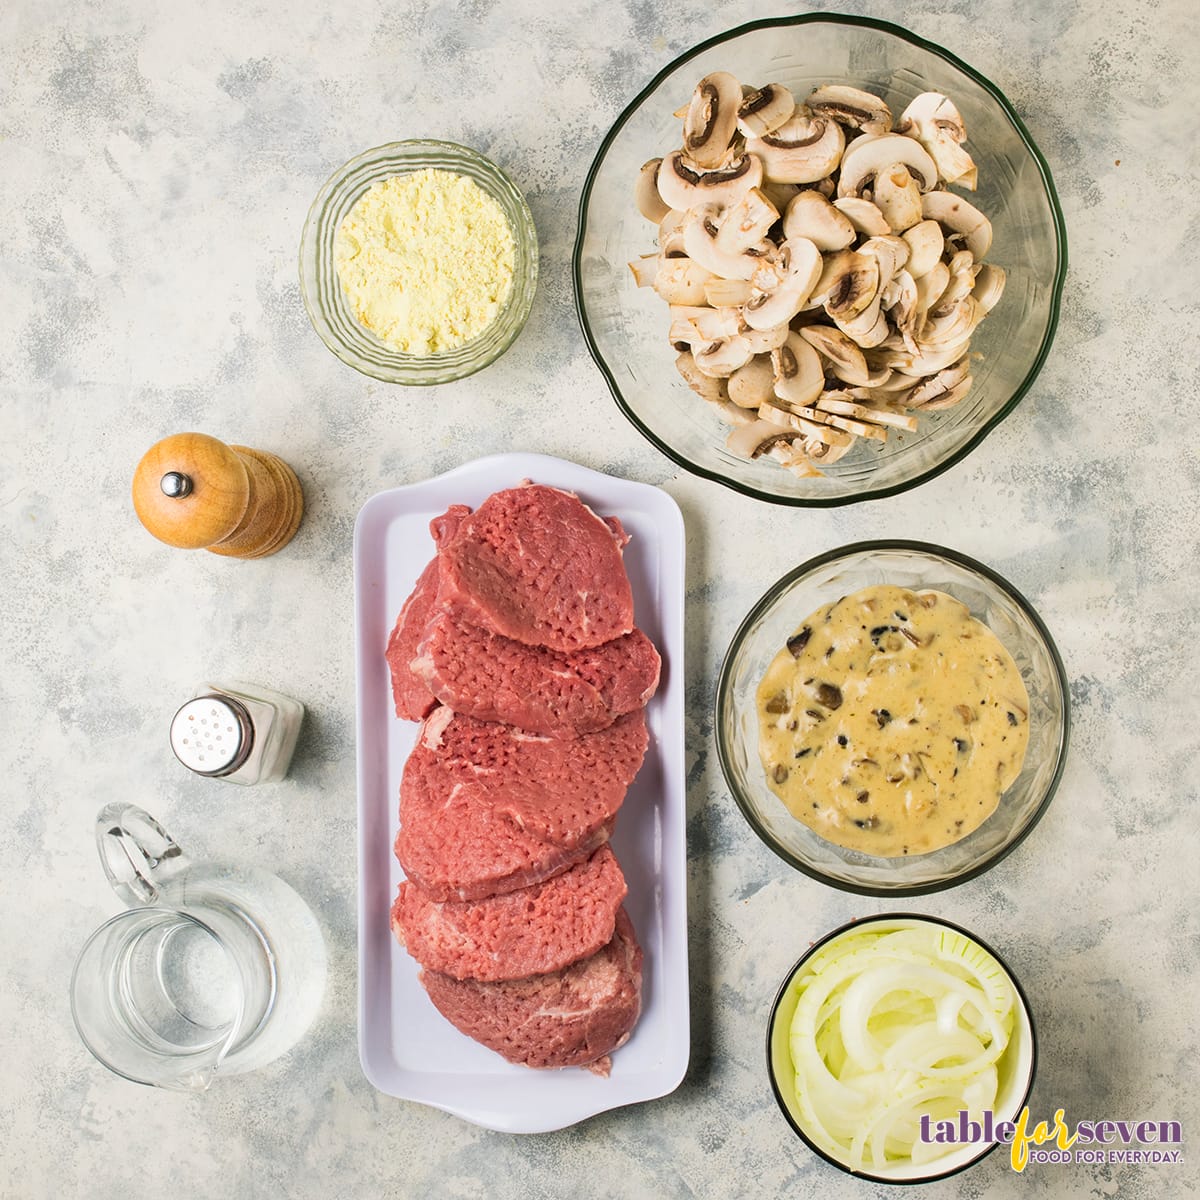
x,y
892,717
819,259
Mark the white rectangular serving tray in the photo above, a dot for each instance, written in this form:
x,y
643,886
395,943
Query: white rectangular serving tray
x,y
407,1048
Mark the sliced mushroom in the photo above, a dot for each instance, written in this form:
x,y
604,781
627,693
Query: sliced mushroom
x,y
706,386
869,328
852,107
863,215
700,241
854,288
644,270
811,216
962,270
821,453
723,293
928,362
925,244
899,301
683,185
867,157
798,374
947,399
954,213
841,352
780,194
934,121
796,269
951,326
763,341
898,196
752,383
989,286
747,222
749,441
696,323
890,252
862,412
722,357
645,192
930,287
681,281
936,388
711,119
764,110
803,149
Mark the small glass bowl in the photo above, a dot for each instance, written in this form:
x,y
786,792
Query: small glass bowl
x,y
918,566
1017,1066
322,291
626,327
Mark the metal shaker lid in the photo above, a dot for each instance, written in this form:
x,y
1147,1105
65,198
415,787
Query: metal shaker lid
x,y
212,735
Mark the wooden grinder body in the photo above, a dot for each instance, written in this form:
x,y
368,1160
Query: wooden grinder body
x,y
195,492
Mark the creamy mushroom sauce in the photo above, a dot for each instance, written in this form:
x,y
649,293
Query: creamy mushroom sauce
x,y
892,722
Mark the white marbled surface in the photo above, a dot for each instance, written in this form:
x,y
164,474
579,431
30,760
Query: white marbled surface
x,y
156,163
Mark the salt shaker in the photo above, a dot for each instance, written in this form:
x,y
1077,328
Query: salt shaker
x,y
237,732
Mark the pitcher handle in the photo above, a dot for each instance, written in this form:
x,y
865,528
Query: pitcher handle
x,y
137,853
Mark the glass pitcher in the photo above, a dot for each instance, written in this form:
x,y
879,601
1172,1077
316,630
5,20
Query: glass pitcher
x,y
211,969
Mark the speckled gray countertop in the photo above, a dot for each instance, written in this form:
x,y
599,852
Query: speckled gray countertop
x,y
156,163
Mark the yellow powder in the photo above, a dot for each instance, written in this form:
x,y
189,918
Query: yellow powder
x,y
425,260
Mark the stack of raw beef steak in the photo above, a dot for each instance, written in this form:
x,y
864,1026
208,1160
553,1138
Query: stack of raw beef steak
x,y
517,650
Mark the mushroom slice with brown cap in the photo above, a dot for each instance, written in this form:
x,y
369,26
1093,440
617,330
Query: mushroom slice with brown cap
x,y
954,213
854,287
804,149
700,241
764,110
952,326
933,120
711,119
797,268
843,355
645,193
947,399
683,184
811,216
852,107
898,197
864,215
753,383
747,222
925,245
867,157
798,373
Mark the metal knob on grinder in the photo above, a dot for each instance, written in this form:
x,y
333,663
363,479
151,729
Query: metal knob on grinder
x,y
195,492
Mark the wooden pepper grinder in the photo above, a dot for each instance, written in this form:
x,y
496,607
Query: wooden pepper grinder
x,y
193,491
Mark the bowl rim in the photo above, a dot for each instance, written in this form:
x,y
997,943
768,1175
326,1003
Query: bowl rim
x,y
1060,229
859,923
307,250
772,594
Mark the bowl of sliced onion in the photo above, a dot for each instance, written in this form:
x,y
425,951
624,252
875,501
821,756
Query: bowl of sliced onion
x,y
899,1046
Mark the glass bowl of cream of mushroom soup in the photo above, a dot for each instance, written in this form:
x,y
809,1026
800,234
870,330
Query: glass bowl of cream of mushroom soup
x,y
819,258
892,717
419,262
